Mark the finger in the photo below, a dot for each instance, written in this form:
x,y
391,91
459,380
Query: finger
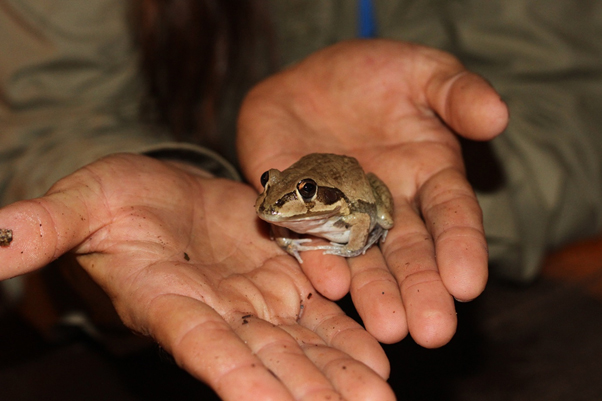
x,y
283,356
329,274
376,297
204,345
454,218
465,101
43,229
338,330
354,380
410,255
348,376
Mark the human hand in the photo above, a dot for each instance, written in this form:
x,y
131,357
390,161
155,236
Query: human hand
x,y
395,107
183,259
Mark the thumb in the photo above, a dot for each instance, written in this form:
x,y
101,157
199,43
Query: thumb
x,y
42,230
466,102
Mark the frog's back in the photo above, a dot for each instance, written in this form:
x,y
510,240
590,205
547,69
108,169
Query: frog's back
x,y
327,169
335,171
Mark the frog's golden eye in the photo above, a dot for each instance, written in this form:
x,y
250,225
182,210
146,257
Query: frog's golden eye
x,y
264,178
307,189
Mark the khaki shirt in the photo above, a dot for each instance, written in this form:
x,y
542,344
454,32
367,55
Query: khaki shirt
x,y
70,92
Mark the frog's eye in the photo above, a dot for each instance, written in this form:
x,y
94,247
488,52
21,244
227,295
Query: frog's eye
x,y
264,178
307,189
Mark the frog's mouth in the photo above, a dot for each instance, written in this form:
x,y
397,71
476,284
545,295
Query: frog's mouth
x,y
278,219
317,224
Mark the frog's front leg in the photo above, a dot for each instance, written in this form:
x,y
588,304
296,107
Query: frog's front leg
x,y
286,239
294,246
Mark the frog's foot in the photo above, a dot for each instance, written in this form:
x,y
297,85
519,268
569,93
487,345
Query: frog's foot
x,y
377,233
383,237
294,246
341,250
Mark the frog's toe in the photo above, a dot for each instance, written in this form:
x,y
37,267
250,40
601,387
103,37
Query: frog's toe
x,y
293,246
296,255
340,250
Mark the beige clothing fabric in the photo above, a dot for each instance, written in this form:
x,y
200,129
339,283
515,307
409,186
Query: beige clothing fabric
x,y
70,92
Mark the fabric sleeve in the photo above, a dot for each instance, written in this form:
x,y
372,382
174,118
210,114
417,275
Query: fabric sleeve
x,y
70,93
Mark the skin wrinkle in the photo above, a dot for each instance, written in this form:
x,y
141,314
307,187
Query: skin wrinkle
x,y
134,278
420,67
444,91
369,272
256,300
416,198
233,248
192,170
105,200
176,343
462,197
226,373
448,107
444,235
442,230
194,213
112,217
409,148
339,333
319,323
459,193
425,118
334,363
315,393
454,226
332,367
275,266
190,286
407,244
270,266
310,393
41,226
235,240
125,314
415,275
435,196
227,367
290,345
332,335
441,83
293,348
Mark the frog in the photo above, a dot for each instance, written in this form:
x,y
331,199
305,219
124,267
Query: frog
x,y
329,196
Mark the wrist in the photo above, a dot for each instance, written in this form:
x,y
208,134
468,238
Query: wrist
x,y
189,168
194,156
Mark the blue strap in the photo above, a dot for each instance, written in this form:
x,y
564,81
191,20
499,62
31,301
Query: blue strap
x,y
366,19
